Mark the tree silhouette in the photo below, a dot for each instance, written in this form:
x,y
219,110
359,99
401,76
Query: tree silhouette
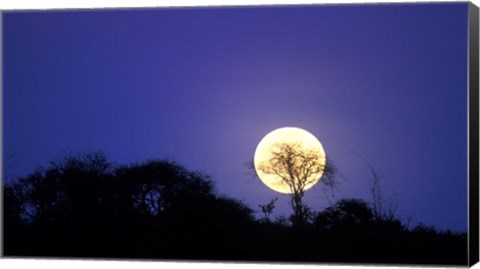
x,y
383,207
346,214
155,185
82,205
267,209
298,168
85,206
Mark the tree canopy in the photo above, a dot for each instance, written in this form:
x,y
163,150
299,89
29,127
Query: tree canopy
x,y
85,206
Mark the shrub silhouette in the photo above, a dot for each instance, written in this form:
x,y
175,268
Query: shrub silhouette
x,y
85,206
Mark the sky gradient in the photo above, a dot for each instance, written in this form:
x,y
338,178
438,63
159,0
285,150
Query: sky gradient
x,y
202,86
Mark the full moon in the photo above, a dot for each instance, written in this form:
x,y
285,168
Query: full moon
x,y
289,136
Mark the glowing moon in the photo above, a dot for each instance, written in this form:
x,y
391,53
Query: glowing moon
x,y
286,135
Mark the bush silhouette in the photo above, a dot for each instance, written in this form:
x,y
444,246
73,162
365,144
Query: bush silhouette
x,y
85,206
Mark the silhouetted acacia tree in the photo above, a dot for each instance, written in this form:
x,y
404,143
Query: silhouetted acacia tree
x,y
298,168
71,184
154,185
82,205
85,206
181,211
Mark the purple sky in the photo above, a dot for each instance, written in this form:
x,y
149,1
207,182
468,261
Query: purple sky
x,y
202,86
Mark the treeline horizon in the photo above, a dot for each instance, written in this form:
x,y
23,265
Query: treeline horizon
x,y
83,206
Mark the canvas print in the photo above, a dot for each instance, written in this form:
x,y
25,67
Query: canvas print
x,y
303,133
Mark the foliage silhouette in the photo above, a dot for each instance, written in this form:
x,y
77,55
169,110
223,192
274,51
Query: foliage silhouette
x,y
267,209
85,206
298,168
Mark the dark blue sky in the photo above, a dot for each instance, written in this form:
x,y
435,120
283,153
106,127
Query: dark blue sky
x,y
202,86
